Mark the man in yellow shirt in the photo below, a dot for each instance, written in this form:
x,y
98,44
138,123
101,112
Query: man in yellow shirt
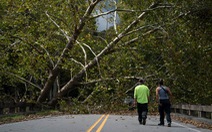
x,y
141,98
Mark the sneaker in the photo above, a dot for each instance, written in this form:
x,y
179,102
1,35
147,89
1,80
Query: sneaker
x,y
169,125
160,124
144,121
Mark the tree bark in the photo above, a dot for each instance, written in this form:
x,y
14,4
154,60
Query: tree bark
x,y
54,73
78,76
69,85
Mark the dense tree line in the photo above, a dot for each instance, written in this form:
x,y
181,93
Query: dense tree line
x,y
51,51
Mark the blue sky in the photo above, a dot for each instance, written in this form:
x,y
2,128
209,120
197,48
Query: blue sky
x,y
102,22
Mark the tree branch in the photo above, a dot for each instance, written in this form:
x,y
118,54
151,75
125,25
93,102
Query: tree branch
x,y
152,7
64,33
93,62
51,61
94,55
23,79
55,71
114,20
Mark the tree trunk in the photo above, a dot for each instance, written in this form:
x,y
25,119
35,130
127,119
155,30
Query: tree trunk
x,y
48,85
78,76
54,73
69,85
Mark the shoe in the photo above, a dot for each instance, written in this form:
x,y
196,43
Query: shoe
x,y
169,125
140,122
160,124
144,122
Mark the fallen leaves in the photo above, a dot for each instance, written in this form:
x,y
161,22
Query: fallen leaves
x,y
11,119
193,122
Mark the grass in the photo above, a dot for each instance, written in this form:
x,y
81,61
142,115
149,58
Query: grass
x,y
10,118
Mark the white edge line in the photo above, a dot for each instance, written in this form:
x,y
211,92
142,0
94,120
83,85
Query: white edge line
x,y
186,127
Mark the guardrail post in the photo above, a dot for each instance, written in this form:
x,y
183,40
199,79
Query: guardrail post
x,y
181,111
211,116
189,112
199,113
11,107
1,111
21,106
211,112
174,109
1,108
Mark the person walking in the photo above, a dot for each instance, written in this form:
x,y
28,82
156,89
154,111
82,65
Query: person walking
x,y
141,99
163,95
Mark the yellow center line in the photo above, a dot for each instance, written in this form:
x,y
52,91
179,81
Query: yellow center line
x,y
103,123
89,130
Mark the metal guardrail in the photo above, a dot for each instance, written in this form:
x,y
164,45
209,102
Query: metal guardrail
x,y
204,111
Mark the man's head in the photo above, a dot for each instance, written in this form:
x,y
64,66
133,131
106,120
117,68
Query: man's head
x,y
160,82
141,81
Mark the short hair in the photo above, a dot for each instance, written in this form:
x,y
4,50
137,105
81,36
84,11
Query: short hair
x,y
141,80
160,81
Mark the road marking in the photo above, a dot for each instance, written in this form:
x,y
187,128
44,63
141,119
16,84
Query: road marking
x,y
103,123
89,130
186,127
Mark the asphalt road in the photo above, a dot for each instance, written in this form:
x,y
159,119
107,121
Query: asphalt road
x,y
96,123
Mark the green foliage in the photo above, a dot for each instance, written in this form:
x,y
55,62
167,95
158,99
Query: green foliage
x,y
32,40
188,58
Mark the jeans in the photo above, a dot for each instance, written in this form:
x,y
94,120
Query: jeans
x,y
142,110
165,107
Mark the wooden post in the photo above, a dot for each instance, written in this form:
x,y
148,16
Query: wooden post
x,y
181,111
27,108
211,112
22,106
189,112
175,111
211,115
1,108
12,109
199,113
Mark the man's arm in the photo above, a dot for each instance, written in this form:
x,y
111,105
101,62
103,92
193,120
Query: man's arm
x,y
157,96
170,93
135,102
148,96
135,99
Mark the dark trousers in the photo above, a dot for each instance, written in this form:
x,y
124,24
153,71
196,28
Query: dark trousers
x,y
165,107
142,110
